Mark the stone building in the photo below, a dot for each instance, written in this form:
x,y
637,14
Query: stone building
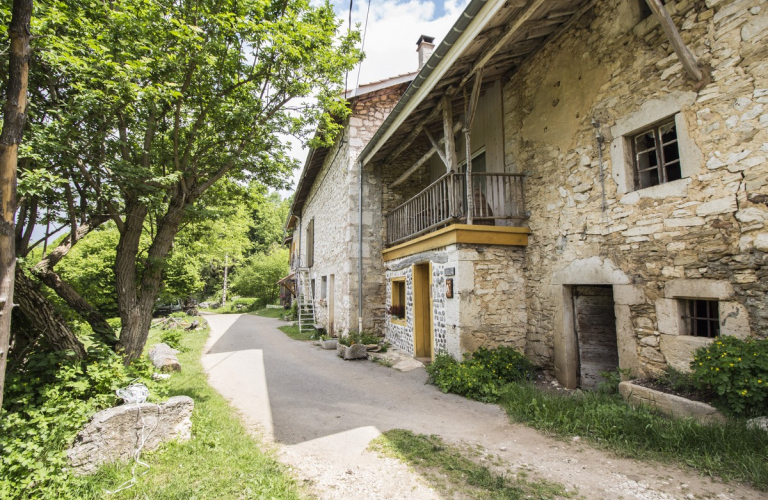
x,y
618,186
324,218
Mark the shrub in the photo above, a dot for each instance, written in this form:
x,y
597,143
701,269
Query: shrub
x,y
293,312
247,304
47,401
355,337
172,337
736,371
481,377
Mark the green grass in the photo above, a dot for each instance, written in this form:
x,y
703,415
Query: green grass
x,y
452,472
269,312
221,461
293,332
730,451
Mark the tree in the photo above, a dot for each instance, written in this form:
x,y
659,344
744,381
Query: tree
x,y
14,118
258,276
270,215
153,103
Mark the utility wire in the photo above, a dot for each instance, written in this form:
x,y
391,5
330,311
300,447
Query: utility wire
x,y
349,30
362,45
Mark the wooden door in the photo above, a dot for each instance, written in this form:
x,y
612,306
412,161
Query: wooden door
x,y
422,312
595,325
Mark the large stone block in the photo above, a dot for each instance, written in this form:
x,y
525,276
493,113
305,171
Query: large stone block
x,y
734,319
678,350
114,434
699,288
669,404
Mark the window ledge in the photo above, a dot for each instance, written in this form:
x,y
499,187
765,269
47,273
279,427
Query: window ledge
x,y
399,322
674,189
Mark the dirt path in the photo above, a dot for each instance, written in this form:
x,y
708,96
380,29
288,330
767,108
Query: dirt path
x,y
322,413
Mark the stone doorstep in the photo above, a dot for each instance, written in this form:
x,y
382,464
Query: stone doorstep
x,y
669,404
400,361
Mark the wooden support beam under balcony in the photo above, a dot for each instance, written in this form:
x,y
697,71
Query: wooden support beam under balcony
x,y
459,234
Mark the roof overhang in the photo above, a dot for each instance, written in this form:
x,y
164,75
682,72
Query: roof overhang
x,y
516,28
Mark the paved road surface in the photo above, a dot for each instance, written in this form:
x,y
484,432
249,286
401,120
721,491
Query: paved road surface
x,y
323,412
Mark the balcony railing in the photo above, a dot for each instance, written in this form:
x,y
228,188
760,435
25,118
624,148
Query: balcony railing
x,y
497,198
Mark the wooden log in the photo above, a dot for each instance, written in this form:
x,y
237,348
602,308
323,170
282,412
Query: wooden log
x,y
686,57
500,41
423,159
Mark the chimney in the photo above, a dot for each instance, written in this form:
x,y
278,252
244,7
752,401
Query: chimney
x,y
425,47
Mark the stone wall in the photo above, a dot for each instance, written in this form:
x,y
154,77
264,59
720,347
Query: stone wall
x,y
618,69
488,306
333,204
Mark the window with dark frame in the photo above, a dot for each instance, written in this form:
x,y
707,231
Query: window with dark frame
x,y
657,155
703,318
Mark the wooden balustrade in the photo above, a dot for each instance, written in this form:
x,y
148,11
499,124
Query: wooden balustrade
x,y
497,197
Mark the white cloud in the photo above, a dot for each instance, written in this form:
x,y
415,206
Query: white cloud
x,y
390,38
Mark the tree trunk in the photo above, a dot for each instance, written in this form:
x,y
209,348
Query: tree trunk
x,y
44,318
14,118
224,291
136,301
43,270
81,306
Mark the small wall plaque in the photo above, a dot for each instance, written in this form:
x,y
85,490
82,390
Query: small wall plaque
x,y
450,271
449,288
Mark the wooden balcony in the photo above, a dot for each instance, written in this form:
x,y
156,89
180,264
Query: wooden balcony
x,y
498,199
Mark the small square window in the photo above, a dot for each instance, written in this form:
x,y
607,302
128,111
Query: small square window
x,y
656,155
702,318
397,309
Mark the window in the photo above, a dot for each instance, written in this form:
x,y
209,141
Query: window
x,y
324,287
657,156
397,309
702,318
311,243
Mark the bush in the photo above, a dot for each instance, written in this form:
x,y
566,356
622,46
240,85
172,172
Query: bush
x,y
737,371
247,304
47,401
481,377
172,338
355,337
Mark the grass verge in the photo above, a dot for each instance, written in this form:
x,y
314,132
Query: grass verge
x,y
449,469
271,312
730,451
221,461
294,332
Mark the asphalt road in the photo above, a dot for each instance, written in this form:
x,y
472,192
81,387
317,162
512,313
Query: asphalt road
x,y
313,393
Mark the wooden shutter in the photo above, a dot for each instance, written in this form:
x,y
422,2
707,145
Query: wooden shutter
x,y
311,243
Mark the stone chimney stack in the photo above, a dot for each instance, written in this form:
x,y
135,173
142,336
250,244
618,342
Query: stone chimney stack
x,y
425,47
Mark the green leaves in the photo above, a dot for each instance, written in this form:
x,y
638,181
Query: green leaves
x,y
737,370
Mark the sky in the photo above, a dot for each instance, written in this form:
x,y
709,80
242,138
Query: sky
x,y
393,28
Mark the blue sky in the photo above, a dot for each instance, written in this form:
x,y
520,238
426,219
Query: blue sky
x,y
390,40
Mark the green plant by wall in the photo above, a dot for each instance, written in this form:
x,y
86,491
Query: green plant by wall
x,y
482,376
737,371
355,337
47,401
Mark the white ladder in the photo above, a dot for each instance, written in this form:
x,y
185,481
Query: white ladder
x,y
306,306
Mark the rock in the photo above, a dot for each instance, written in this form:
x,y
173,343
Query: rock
x,y
164,358
355,351
115,433
758,423
193,326
329,344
